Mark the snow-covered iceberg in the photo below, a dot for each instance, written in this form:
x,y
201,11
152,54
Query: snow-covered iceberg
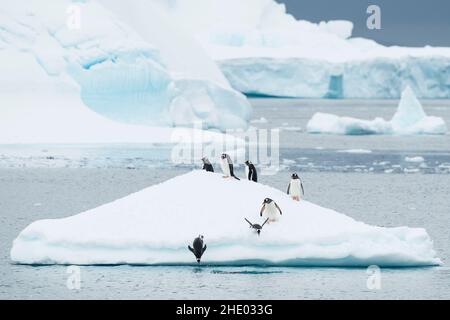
x,y
266,51
38,109
128,65
154,227
410,118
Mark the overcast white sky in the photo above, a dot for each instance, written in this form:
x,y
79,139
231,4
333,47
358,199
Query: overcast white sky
x,y
404,22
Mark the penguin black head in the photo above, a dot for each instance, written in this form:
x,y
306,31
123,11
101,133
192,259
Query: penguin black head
x,y
295,176
248,162
224,156
268,200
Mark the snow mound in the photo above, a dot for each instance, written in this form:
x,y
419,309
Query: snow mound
x,y
264,50
154,227
125,70
409,119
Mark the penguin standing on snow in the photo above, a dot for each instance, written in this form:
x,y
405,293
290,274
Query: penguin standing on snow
x,y
295,188
270,210
199,249
227,166
250,171
207,166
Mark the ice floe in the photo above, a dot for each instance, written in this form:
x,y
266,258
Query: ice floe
x,y
409,119
154,227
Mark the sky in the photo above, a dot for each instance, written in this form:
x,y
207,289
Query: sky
x,y
403,22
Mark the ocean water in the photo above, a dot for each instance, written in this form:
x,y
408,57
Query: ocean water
x,y
381,180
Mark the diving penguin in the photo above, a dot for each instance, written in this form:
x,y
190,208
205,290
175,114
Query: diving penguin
x,y
227,166
257,227
199,249
270,210
295,188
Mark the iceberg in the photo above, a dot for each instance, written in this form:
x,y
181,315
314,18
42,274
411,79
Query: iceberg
x,y
409,119
154,227
124,69
50,111
263,50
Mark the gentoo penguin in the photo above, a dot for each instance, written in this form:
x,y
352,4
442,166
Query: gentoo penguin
x,y
270,210
257,227
199,249
227,166
295,188
207,166
250,171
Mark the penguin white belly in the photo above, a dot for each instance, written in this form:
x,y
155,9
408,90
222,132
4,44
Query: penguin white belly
x,y
295,189
247,171
271,212
225,167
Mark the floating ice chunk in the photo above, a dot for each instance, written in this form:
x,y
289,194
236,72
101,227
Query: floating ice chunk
x,y
356,151
410,118
414,159
332,124
154,227
261,120
411,170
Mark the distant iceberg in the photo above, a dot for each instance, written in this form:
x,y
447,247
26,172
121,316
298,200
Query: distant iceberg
x,y
154,227
130,66
263,50
410,118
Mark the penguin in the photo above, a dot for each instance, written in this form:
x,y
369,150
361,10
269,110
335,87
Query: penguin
x,y
207,166
227,166
257,227
270,210
250,171
199,249
295,188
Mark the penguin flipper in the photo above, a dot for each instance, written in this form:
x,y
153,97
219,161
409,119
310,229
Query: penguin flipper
x,y
204,249
262,209
267,220
276,205
303,190
251,224
289,188
190,249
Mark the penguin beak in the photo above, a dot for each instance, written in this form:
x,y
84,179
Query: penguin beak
x,y
198,260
